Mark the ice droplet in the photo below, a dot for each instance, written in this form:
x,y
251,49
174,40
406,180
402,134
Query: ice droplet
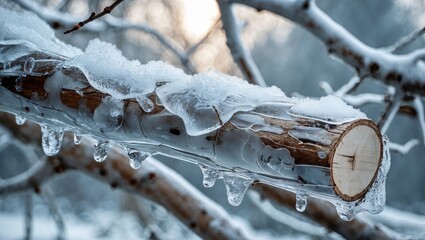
x,y
136,157
210,176
346,211
79,91
18,84
51,140
101,149
146,104
321,154
301,202
20,120
235,187
29,65
77,138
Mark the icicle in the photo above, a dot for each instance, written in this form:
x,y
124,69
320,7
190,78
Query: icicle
x,y
346,210
101,149
79,91
18,84
210,176
51,140
29,65
20,120
136,157
321,154
146,104
77,138
301,202
235,187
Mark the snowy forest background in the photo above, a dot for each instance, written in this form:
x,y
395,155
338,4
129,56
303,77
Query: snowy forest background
x,y
286,55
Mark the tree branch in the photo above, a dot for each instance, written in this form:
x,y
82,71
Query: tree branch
x,y
94,16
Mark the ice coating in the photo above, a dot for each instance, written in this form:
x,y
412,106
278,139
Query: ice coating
x,y
110,72
208,100
329,109
108,116
236,187
77,138
51,140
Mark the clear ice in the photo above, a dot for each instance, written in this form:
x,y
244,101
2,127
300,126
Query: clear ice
x,y
101,149
20,120
29,65
18,84
301,202
236,187
346,210
109,115
209,176
51,140
136,157
146,104
77,138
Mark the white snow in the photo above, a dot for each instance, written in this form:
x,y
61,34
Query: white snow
x,y
25,27
329,109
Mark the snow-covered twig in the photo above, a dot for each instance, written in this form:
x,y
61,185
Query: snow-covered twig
x,y
28,214
397,70
388,115
55,210
94,16
419,107
64,20
239,53
405,148
403,42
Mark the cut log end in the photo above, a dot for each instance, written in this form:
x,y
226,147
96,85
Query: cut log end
x,y
356,160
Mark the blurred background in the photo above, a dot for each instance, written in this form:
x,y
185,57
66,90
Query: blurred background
x,y
287,56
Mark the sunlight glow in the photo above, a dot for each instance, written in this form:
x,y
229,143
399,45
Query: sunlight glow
x,y
198,17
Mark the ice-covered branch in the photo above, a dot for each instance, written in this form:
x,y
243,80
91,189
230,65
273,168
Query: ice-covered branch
x,y
405,41
154,181
239,53
233,130
323,214
65,20
401,71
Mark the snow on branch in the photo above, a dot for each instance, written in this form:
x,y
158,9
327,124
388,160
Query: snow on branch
x,y
233,130
64,20
154,181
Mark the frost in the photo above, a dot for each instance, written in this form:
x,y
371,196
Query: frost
x,y
77,138
109,115
301,202
208,100
101,149
236,187
209,176
146,104
329,109
136,157
20,120
51,140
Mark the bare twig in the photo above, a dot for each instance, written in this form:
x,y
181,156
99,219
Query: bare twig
x,y
403,42
94,16
240,54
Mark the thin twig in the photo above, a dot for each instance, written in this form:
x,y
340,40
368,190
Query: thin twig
x,y
55,210
388,116
194,47
403,42
419,107
405,148
28,215
94,16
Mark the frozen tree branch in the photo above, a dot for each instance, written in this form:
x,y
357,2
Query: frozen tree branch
x,y
323,214
405,148
64,20
405,41
154,181
240,54
401,71
94,16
